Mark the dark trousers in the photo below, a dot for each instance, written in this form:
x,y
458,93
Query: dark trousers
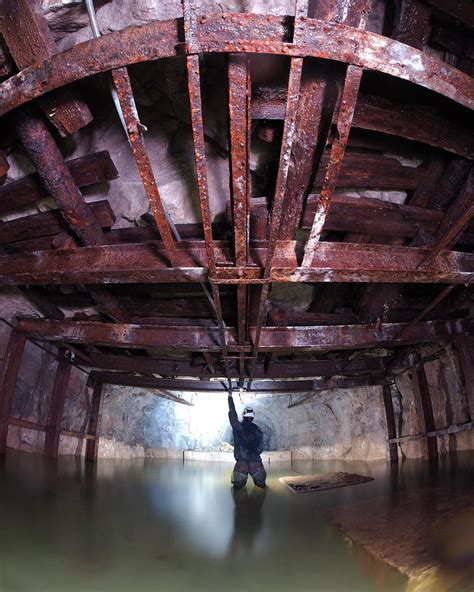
x,y
243,468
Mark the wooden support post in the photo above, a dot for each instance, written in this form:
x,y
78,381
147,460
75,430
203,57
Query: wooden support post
x,y
390,417
8,375
420,385
56,406
93,429
465,347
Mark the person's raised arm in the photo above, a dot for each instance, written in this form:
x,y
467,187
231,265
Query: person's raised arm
x,y
234,420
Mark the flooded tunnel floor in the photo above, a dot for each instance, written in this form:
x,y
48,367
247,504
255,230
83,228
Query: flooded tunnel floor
x,y
163,525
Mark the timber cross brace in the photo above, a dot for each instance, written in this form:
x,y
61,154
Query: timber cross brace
x,y
347,217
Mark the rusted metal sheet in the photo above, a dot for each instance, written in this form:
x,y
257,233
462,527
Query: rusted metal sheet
x,y
236,33
343,124
31,42
273,339
56,406
57,178
123,86
8,374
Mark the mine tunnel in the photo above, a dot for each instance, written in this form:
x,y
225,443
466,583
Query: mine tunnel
x,y
236,306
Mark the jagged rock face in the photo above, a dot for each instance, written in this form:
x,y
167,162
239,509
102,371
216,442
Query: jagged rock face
x,y
343,424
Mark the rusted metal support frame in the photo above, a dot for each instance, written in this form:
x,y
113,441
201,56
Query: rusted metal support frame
x,y
464,344
123,86
194,91
56,406
343,125
8,375
239,131
390,419
231,33
294,83
93,428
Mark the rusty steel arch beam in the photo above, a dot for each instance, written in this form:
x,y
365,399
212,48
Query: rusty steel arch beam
x,y
238,33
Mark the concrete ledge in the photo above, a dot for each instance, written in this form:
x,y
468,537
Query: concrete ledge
x,y
267,457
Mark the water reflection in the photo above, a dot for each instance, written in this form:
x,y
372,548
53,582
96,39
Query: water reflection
x,y
148,525
248,520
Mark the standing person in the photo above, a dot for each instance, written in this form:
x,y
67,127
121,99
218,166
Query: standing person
x,y
248,445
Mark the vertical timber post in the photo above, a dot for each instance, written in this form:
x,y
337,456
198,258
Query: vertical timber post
x,y
94,422
465,347
8,376
420,384
56,406
390,417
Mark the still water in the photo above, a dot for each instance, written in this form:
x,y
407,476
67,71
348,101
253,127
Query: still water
x,y
172,526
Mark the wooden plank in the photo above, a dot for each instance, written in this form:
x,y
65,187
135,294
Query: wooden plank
x,y
56,406
8,376
86,170
30,42
49,223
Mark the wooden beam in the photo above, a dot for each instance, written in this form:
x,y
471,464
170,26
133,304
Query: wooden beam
x,y
93,428
283,339
424,407
464,344
454,429
8,376
390,419
412,122
56,406
49,223
86,170
279,369
31,42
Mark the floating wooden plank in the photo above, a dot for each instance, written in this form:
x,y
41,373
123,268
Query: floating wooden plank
x,y
86,170
322,481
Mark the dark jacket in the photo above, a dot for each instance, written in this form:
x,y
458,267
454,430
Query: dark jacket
x,y
248,438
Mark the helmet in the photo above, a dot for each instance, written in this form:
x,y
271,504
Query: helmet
x,y
248,412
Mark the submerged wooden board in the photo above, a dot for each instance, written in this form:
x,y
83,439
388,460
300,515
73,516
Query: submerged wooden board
x,y
322,481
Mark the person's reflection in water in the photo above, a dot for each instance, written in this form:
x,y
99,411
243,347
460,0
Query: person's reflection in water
x,y
248,520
